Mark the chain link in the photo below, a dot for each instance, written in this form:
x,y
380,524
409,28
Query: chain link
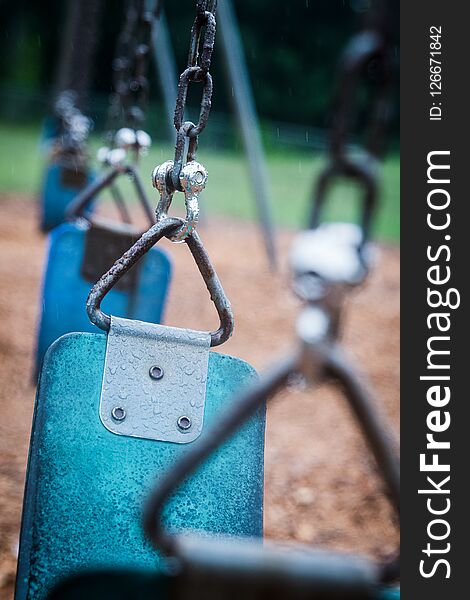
x,y
201,46
74,127
129,101
366,58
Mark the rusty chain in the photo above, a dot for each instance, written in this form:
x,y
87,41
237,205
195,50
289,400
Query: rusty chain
x,y
184,173
201,46
129,100
367,58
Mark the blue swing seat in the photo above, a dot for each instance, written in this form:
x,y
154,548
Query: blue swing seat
x,y
60,187
86,486
65,288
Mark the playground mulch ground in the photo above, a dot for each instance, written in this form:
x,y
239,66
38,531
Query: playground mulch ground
x,y
321,484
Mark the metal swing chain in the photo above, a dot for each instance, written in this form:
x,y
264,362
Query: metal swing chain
x,y
185,174
329,260
75,127
191,180
129,100
368,54
127,106
78,45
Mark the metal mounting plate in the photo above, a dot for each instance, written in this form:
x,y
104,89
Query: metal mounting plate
x,y
154,381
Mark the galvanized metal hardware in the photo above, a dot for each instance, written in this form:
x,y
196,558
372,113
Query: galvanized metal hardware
x,y
315,331
136,140
326,264
168,409
184,173
164,228
331,253
160,182
118,413
192,178
156,372
184,423
111,157
201,46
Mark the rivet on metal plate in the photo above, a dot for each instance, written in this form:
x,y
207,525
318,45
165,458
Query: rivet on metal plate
x,y
118,413
156,375
156,372
184,423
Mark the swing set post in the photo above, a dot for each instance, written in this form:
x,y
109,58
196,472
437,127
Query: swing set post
x,y
166,68
248,120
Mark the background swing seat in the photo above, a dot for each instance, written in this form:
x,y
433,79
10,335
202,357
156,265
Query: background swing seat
x,y
86,486
61,185
74,263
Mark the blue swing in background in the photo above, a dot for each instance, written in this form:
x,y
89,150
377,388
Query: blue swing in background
x,y
67,172
81,248
62,182
66,130
79,252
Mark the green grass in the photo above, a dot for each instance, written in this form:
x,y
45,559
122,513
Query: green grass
x,y
228,193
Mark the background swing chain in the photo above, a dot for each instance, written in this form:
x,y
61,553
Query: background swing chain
x,y
129,100
366,57
74,128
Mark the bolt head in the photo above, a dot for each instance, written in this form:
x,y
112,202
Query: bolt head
x,y
102,154
125,138
156,372
193,177
118,413
184,423
144,141
116,156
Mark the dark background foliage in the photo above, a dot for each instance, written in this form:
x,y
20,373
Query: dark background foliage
x,y
292,49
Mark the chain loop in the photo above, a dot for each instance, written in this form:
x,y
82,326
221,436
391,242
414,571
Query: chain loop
x,y
201,46
129,101
370,45
184,174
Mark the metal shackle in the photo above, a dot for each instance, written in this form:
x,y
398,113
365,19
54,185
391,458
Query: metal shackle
x,y
331,256
131,139
192,179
